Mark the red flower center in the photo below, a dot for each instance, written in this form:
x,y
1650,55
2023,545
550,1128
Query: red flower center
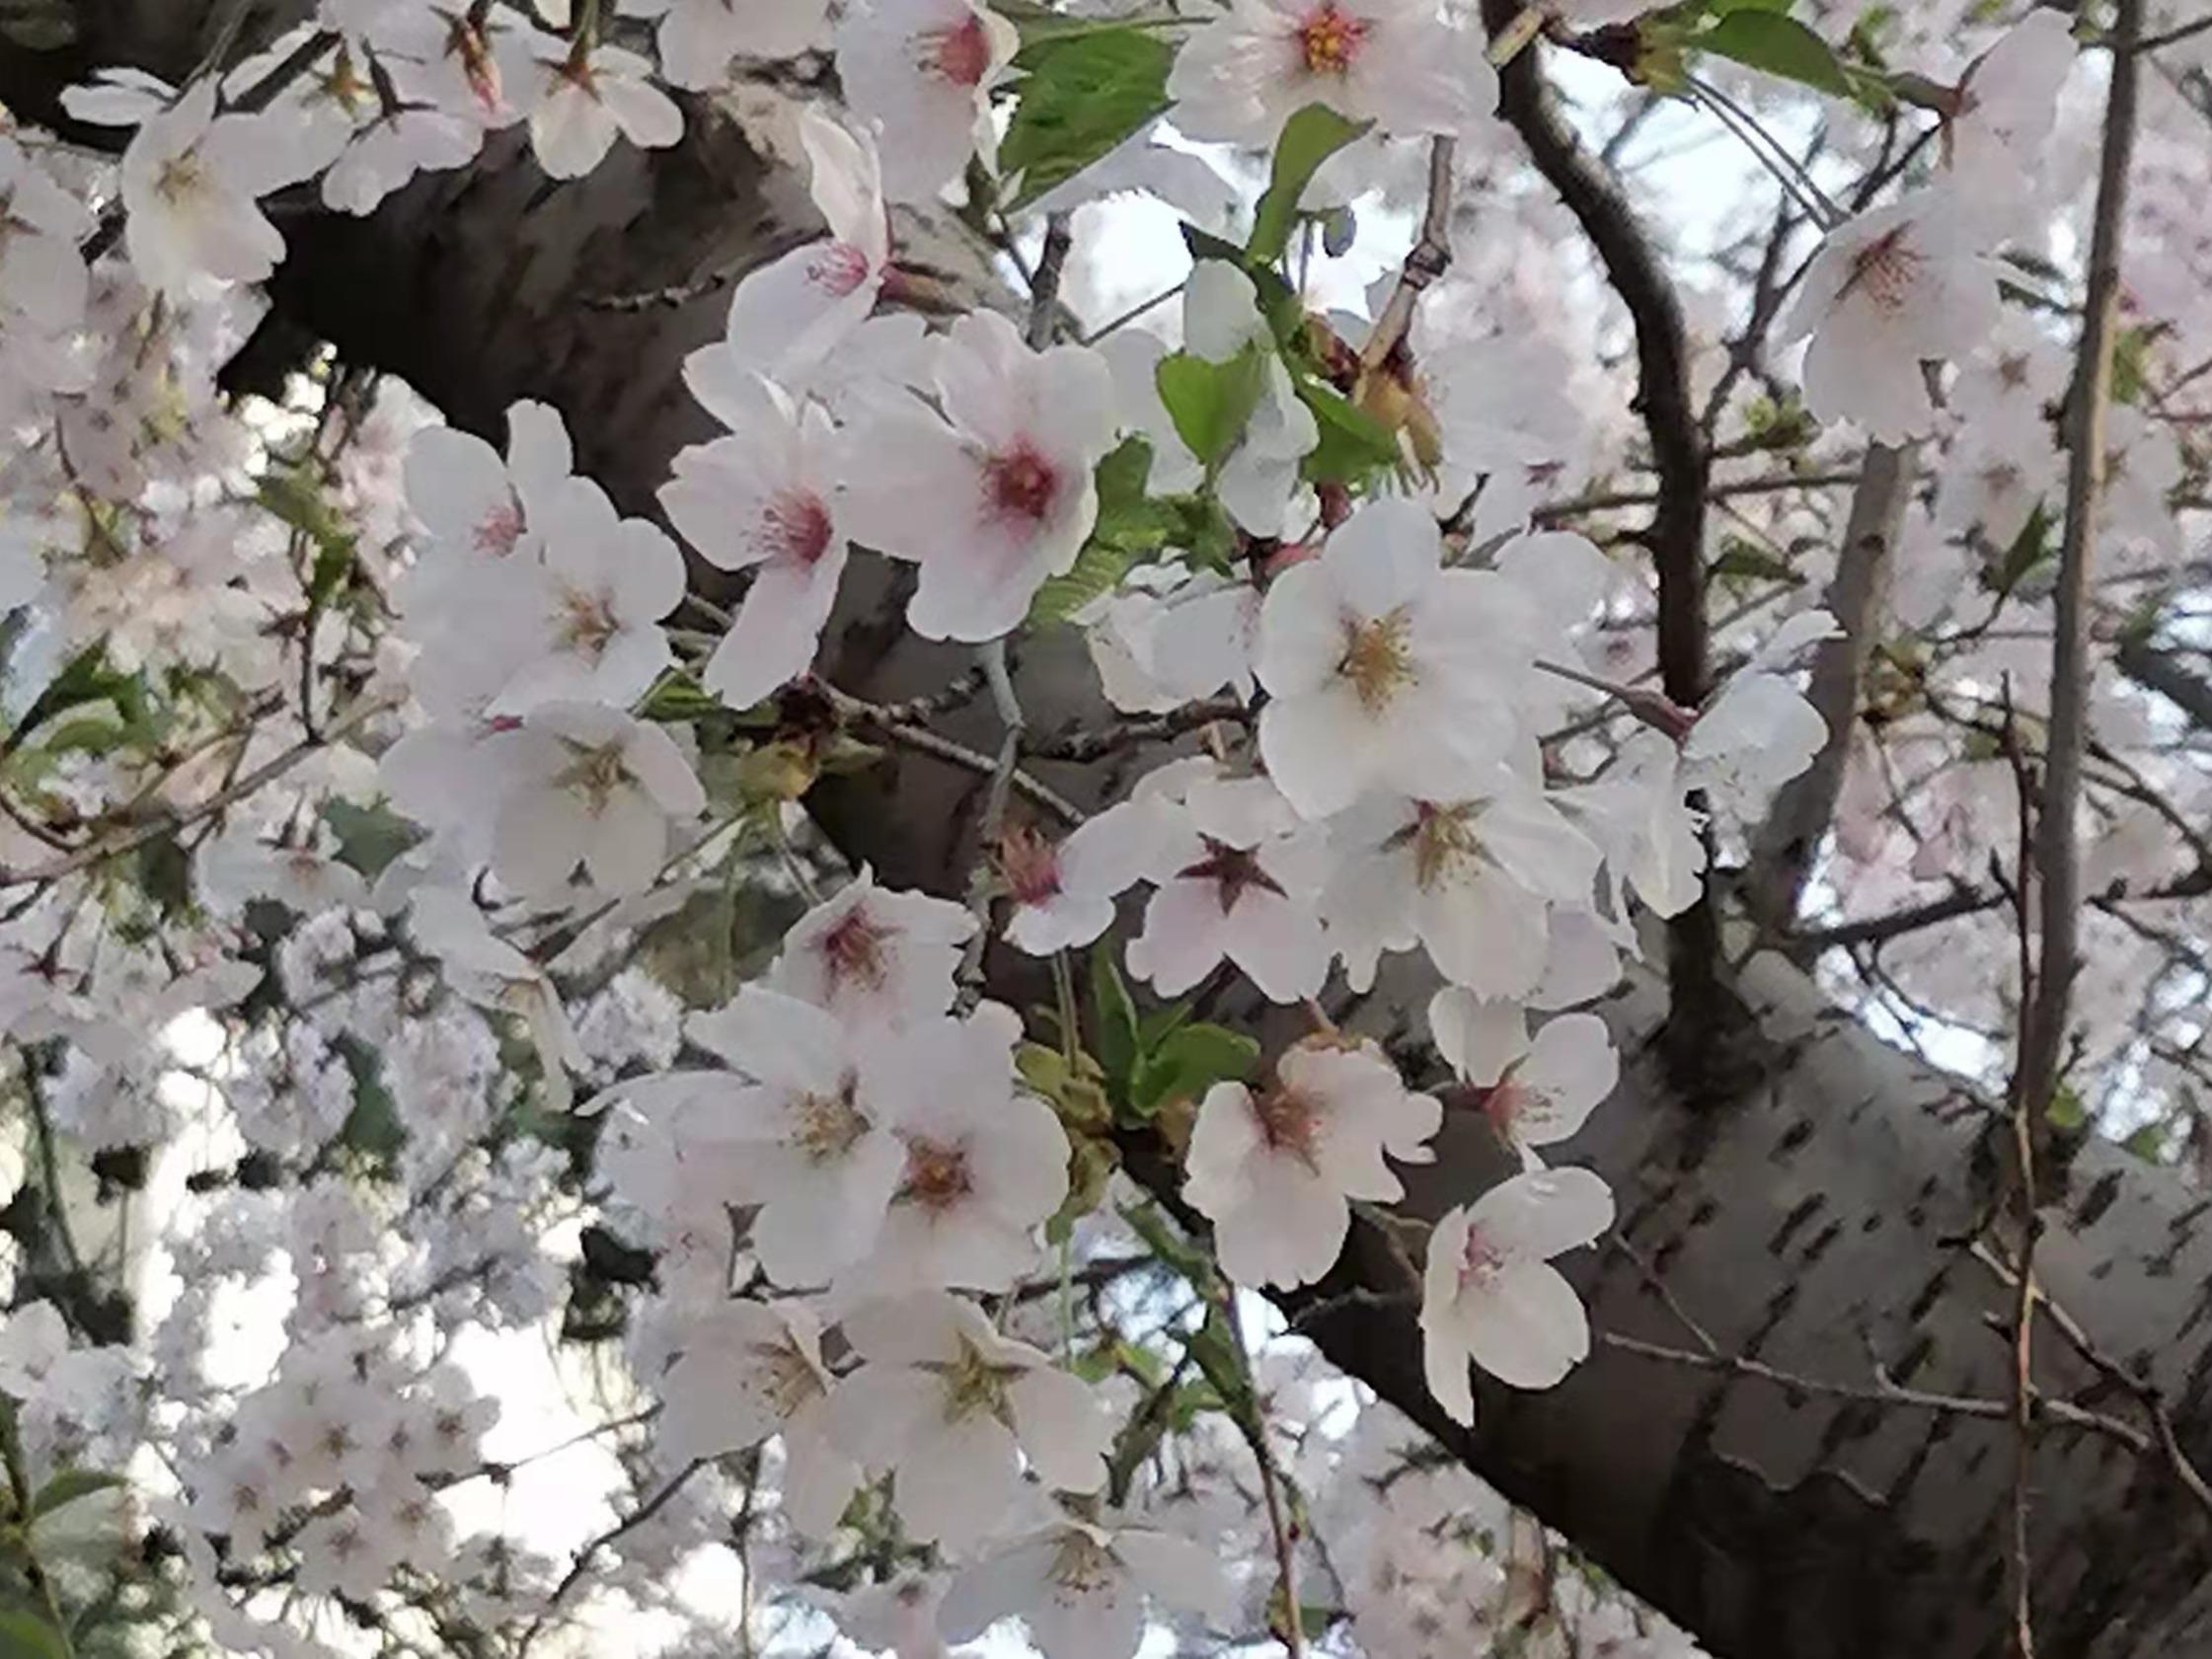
x,y
498,533
960,55
837,269
1031,865
798,526
854,951
1329,39
1021,483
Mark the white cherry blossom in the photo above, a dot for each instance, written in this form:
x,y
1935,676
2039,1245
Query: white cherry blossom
x,y
2008,102
874,956
1273,1170
922,71
1081,1589
1239,876
986,1164
581,102
999,494
588,785
1471,880
189,180
1539,1093
762,499
1395,62
1490,1295
1888,290
471,502
1063,891
954,1409
1384,668
788,317
698,39
748,1370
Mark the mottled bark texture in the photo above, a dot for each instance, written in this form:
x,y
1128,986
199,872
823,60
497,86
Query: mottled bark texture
x,y
1817,1219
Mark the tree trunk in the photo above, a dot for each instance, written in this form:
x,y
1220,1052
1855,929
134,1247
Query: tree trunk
x,y
1818,1221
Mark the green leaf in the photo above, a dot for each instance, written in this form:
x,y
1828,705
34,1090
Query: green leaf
x,y
1354,443
1130,525
2030,549
1082,95
2147,1143
71,1484
1779,46
369,838
1191,1061
2065,1111
1116,1016
25,1635
1309,138
1746,560
1209,403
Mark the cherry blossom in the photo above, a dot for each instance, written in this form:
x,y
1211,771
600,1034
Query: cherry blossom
x,y
2008,101
761,498
1383,667
786,318
469,501
1393,63
1081,1589
1472,880
1757,733
806,1137
190,178
1239,876
874,956
1892,288
749,1370
952,1409
1063,891
579,101
985,1164
697,38
1273,1170
1534,1094
590,786
998,496
491,973
922,71
1490,1295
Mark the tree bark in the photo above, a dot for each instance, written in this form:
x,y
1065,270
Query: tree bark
x,y
1815,1221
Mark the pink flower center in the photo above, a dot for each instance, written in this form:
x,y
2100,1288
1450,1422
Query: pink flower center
x,y
1886,271
1329,39
797,526
1021,483
1503,1104
1480,1261
960,55
837,269
1031,865
853,951
500,532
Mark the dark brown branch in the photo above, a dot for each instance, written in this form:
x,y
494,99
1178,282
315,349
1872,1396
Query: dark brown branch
x,y
1678,457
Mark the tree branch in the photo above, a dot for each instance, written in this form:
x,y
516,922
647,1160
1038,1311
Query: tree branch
x,y
2058,857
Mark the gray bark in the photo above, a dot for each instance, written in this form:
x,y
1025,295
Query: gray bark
x,y
1812,1220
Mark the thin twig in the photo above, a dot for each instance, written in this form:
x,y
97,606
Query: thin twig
x,y
1293,1631
1428,258
992,825
583,1563
1044,282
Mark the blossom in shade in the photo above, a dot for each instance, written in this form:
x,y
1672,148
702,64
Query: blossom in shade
x,y
1274,1168
762,499
1081,1589
592,786
698,39
579,102
1535,1093
748,1370
954,1410
1490,1295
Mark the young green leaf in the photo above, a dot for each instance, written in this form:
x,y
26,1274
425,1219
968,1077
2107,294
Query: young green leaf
x,y
1309,138
1211,402
1779,46
1081,96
